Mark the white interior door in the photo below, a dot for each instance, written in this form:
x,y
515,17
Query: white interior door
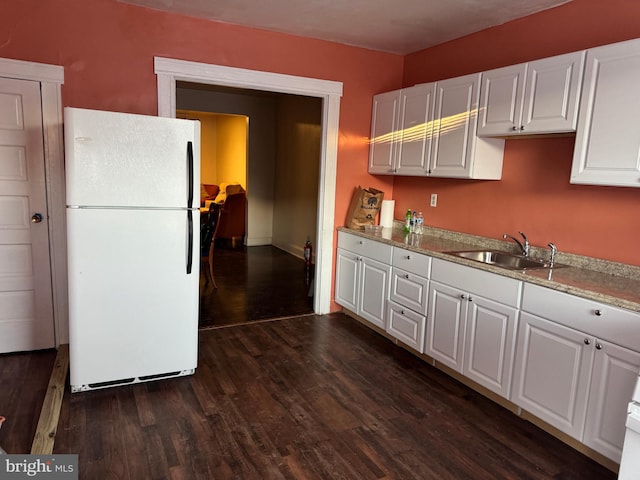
x,y
26,305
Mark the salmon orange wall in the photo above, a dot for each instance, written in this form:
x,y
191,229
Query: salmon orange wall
x,y
107,50
534,194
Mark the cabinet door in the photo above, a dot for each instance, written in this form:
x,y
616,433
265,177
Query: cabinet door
x,y
489,345
406,325
501,100
608,138
551,373
384,121
551,94
414,130
445,326
347,279
615,373
374,291
455,120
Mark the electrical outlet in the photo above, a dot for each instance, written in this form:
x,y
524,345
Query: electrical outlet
x,y
434,199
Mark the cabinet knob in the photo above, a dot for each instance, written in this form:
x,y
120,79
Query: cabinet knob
x,y
408,257
470,298
514,128
598,312
587,341
463,296
522,128
598,346
402,312
407,276
361,242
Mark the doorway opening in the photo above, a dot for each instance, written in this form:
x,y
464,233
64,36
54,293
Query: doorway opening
x,y
171,71
275,164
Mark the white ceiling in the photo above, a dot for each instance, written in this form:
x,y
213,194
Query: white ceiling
x,y
396,26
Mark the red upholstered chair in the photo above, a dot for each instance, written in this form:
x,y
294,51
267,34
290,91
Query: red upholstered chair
x,y
208,192
232,218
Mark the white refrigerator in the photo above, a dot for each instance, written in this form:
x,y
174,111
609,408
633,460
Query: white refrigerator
x,y
133,246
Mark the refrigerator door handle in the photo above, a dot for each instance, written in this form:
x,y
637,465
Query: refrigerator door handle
x,y
190,173
190,242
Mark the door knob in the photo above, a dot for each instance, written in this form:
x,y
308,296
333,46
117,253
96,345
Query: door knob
x,y
36,218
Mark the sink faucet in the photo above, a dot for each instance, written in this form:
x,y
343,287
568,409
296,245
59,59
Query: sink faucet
x,y
523,246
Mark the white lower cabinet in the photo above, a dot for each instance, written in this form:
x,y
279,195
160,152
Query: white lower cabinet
x,y
407,306
363,271
447,319
471,326
570,361
374,290
489,343
615,371
576,379
551,376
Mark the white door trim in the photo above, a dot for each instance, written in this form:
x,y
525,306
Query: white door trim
x,y
169,71
51,78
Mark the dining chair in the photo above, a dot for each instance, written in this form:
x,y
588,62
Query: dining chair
x,y
207,241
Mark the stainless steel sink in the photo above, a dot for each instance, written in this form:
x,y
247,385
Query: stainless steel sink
x,y
506,260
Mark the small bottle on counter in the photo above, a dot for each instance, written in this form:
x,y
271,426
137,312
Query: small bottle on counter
x,y
414,222
419,227
407,221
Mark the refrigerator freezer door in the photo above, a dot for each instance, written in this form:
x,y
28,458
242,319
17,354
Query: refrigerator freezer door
x,y
133,309
125,160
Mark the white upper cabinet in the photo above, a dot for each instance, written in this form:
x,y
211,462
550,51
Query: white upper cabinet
x,y
607,150
532,98
457,152
401,131
382,144
430,130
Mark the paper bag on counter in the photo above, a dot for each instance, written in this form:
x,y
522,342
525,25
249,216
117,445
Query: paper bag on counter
x,y
365,205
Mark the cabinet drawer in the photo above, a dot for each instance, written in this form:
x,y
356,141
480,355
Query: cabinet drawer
x,y
409,290
366,247
412,262
593,318
406,325
489,285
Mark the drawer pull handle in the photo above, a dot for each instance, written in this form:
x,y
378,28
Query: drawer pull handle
x,y
470,298
598,346
598,313
587,341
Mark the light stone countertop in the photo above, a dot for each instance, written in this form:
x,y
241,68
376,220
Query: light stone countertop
x,y
607,282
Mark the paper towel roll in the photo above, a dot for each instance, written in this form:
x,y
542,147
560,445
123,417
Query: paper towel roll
x,y
386,213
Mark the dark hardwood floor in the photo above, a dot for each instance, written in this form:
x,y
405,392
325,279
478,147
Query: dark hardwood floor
x,y
313,397
254,283
23,385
